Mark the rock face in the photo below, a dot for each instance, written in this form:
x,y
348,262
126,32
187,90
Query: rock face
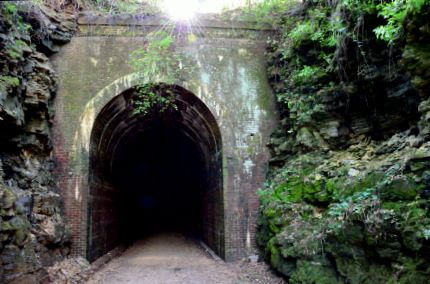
x,y
33,233
416,59
347,199
352,216
73,270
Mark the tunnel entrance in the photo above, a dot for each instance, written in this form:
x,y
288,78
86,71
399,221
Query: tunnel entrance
x,y
154,173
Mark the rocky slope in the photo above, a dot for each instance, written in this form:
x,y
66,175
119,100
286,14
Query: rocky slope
x,y
33,233
347,198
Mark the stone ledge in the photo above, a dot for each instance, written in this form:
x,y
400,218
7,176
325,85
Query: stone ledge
x,y
129,20
212,36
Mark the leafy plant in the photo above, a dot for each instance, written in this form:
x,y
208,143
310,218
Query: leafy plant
x,y
303,31
306,75
158,59
125,6
267,11
395,13
153,98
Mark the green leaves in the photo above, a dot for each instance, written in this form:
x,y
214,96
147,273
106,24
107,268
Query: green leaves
x,y
157,59
267,11
151,98
166,42
389,33
306,75
395,12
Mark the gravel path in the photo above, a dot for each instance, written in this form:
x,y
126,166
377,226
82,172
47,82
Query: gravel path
x,y
173,258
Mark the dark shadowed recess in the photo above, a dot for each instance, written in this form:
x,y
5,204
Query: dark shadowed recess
x,y
154,173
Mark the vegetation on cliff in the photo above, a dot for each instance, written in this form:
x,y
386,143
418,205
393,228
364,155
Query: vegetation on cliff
x,y
346,200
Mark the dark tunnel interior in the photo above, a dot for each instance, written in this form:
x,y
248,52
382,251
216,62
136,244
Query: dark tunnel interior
x,y
161,176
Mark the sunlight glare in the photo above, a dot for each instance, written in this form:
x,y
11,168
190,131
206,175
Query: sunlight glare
x,y
186,10
181,10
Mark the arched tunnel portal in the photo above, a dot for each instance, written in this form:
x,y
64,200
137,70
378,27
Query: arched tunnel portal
x,y
155,172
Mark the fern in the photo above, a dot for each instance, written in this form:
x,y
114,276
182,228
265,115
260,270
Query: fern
x,y
395,13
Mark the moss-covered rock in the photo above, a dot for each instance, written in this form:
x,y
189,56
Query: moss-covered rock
x,y
19,227
284,265
364,220
315,271
400,188
7,197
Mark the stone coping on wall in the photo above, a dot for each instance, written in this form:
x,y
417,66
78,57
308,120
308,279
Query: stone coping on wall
x,y
202,20
94,24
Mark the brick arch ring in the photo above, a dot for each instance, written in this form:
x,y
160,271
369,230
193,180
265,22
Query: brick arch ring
x,y
96,126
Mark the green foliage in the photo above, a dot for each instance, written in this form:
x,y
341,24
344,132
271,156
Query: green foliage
x,y
7,82
307,44
125,6
267,11
395,13
358,206
306,75
11,14
15,49
321,26
158,59
314,272
326,44
10,8
300,106
153,98
303,31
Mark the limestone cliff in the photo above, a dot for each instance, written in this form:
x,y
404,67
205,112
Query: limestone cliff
x,y
33,233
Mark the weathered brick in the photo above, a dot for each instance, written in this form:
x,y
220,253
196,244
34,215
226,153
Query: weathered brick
x,y
230,81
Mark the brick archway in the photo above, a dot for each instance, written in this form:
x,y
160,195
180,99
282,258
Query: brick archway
x,y
75,183
118,149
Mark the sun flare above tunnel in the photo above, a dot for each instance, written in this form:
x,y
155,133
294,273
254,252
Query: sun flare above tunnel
x,y
181,10
188,10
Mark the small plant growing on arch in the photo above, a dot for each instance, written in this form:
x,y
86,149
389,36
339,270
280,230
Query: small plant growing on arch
x,y
158,58
152,98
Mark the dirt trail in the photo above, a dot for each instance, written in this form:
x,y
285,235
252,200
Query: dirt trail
x,y
170,258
